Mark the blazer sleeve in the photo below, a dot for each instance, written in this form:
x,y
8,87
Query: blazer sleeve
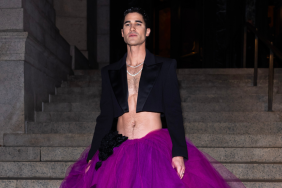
x,y
173,112
105,118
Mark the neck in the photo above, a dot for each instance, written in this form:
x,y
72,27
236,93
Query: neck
x,y
135,54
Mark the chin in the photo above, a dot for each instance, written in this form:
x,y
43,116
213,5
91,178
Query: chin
x,y
133,44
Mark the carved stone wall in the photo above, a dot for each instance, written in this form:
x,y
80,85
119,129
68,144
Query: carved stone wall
x,y
71,20
34,58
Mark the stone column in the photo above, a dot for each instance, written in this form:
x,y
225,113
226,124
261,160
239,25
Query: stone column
x,y
12,46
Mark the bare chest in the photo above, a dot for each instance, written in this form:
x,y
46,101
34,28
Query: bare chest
x,y
133,84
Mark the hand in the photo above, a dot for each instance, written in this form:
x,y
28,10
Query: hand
x,y
178,163
88,166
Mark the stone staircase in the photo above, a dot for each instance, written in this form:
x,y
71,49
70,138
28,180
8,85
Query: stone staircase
x,y
224,115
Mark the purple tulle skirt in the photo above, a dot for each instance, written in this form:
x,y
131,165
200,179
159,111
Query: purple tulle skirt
x,y
146,163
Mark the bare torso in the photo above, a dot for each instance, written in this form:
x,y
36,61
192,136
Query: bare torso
x,y
137,125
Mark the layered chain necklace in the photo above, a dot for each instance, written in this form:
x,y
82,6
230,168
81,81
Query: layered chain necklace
x,y
134,67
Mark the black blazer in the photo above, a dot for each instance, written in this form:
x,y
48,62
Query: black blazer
x,y
158,92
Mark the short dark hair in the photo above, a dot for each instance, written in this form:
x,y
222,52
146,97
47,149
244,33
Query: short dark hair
x,y
140,11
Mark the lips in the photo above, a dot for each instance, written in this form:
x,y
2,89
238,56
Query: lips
x,y
132,35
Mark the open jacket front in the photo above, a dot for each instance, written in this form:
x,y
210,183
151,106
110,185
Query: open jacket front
x,y
158,92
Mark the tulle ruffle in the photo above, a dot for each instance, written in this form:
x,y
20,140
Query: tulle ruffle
x,y
146,163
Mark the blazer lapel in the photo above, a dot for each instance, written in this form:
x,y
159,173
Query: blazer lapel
x,y
146,83
118,79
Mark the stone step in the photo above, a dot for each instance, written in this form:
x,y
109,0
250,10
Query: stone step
x,y
248,90
235,141
232,71
81,84
229,98
256,128
263,184
19,154
56,183
251,106
185,97
87,72
262,172
71,107
33,169
200,140
67,84
51,170
186,107
245,155
248,172
228,107
66,116
221,83
190,127
94,77
37,154
51,154
30,183
79,90
193,77
188,91
232,117
64,154
182,83
61,127
68,98
187,117
54,154
47,140
261,71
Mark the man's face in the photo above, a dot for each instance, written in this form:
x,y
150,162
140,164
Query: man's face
x,y
134,32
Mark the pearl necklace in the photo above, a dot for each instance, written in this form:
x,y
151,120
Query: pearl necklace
x,y
135,66
134,74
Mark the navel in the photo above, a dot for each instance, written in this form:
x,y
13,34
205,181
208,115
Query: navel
x,y
133,123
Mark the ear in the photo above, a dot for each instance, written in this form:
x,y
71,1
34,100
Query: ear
x,y
122,32
148,31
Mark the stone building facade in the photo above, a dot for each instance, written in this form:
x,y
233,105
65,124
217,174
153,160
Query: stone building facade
x,y
35,41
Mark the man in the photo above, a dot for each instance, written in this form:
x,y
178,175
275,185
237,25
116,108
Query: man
x,y
136,125
136,92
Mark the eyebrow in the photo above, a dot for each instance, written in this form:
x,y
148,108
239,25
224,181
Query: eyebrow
x,y
135,21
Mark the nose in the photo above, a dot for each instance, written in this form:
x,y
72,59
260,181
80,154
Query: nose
x,y
132,27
